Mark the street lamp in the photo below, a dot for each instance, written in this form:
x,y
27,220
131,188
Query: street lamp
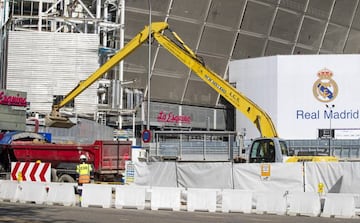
x,y
330,107
149,69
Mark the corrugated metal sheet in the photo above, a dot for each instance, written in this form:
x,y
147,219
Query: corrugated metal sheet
x,y
44,64
86,131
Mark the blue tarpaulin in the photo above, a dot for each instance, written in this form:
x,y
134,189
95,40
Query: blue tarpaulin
x,y
12,136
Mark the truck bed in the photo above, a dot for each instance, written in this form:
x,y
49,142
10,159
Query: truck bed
x,y
106,156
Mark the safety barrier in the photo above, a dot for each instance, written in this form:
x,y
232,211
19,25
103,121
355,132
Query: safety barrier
x,y
201,199
130,197
38,192
26,192
96,195
30,171
61,194
9,191
237,200
339,205
165,198
304,203
273,202
336,177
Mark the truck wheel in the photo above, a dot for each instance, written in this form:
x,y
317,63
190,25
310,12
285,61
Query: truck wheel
x,y
54,177
66,179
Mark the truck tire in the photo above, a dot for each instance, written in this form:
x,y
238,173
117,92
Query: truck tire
x,y
66,179
54,177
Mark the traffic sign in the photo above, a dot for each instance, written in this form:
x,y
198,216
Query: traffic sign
x,y
31,171
146,136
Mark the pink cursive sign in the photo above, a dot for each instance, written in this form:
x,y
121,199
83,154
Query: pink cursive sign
x,y
12,100
172,118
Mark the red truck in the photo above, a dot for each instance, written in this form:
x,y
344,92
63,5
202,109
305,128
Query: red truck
x,y
107,157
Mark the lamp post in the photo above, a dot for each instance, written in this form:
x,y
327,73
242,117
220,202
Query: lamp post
x,y
149,70
330,107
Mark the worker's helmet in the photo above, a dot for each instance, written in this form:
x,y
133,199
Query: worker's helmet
x,y
83,157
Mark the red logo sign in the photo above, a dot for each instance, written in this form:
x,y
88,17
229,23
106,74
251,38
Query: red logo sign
x,y
12,100
172,118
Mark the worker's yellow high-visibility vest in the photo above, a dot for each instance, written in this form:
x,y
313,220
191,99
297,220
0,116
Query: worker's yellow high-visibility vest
x,y
84,170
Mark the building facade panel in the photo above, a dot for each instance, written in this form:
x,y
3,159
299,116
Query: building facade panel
x,y
46,64
304,93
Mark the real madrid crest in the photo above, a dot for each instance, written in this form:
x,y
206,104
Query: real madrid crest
x,y
325,88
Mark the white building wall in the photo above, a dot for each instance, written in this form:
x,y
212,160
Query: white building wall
x,y
253,77
44,64
283,87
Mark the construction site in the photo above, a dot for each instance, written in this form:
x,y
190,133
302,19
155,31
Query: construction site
x,y
249,92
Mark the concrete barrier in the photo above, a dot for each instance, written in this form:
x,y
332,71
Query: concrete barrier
x,y
199,199
61,194
165,198
130,197
2,188
32,192
304,203
236,201
9,191
96,195
271,202
339,205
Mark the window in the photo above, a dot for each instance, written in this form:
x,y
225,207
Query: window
x,y
263,151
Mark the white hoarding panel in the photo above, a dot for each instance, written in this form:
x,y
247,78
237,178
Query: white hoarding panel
x,y
257,79
310,92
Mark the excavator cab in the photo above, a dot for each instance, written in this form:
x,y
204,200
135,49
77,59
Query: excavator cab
x,y
268,150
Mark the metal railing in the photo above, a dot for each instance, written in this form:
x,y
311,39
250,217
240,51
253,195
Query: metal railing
x,y
344,149
194,145
226,146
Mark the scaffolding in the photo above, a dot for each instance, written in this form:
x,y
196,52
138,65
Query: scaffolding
x,y
104,18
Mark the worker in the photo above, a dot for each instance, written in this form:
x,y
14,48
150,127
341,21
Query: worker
x,y
84,171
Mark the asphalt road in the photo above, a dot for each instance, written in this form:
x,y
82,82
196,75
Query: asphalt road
x,y
16,212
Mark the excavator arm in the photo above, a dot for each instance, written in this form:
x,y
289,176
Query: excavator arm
x,y
252,111
183,53
55,119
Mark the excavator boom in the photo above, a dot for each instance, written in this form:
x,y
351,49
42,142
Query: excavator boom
x,y
55,119
252,111
182,52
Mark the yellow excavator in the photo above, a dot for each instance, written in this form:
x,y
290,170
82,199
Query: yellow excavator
x,y
269,140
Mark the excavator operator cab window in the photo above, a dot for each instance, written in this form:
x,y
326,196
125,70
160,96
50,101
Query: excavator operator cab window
x,y
284,148
262,151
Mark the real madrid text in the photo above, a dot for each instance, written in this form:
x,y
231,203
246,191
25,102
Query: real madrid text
x,y
326,114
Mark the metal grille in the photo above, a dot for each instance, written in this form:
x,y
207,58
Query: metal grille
x,y
348,150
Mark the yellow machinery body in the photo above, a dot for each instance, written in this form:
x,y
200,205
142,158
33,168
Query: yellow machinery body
x,y
182,52
294,159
